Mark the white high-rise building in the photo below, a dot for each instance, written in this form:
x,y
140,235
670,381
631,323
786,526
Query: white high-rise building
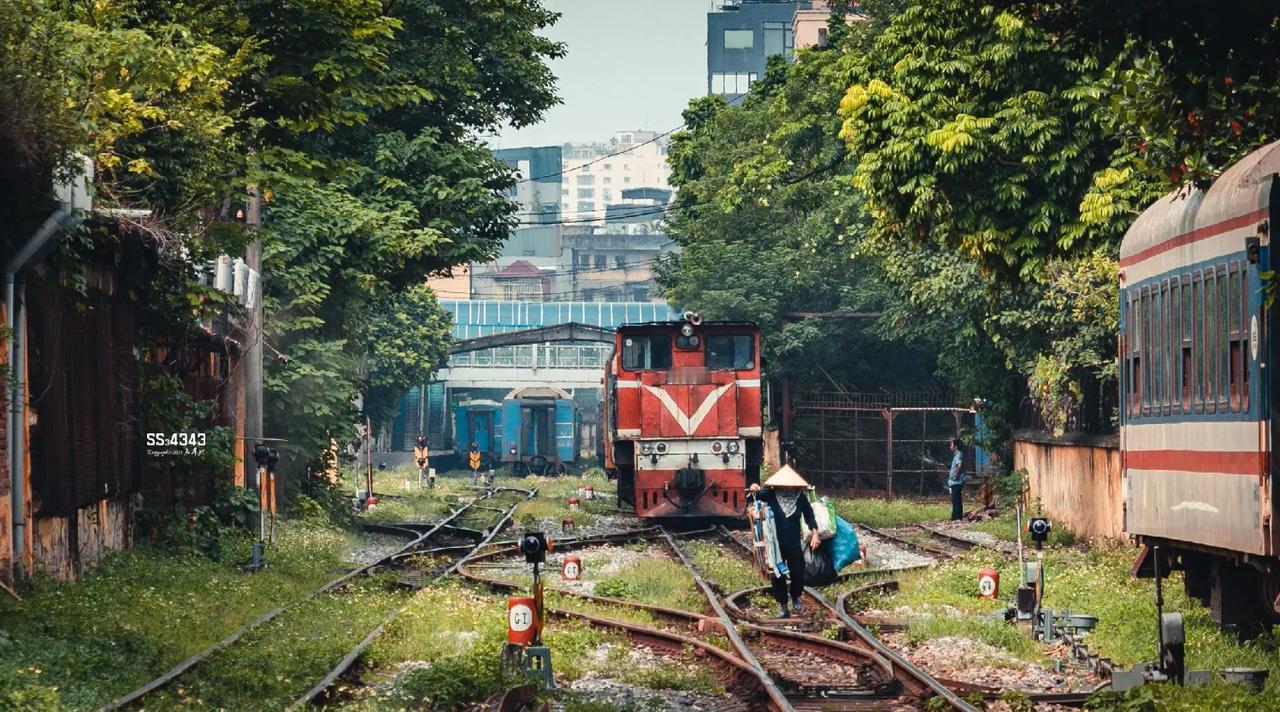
x,y
596,174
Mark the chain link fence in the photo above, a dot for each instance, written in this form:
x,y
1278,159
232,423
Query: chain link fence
x,y
879,444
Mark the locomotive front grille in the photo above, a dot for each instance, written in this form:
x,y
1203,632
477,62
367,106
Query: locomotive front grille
x,y
689,480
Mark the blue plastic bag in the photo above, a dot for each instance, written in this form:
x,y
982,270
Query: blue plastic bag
x,y
844,545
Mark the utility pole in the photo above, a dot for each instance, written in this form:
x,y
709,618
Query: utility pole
x,y
251,359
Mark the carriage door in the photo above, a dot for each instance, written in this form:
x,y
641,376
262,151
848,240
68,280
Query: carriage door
x,y
481,422
566,442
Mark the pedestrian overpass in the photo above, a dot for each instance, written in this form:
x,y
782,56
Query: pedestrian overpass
x,y
500,346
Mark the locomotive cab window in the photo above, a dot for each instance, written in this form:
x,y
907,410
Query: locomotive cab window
x,y
646,352
731,351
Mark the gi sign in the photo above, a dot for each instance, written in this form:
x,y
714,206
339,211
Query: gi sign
x,y
571,568
988,583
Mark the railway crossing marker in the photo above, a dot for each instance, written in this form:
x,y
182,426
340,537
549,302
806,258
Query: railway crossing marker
x,y
988,583
571,568
473,459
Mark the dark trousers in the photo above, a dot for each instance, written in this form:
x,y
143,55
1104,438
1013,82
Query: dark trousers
x,y
794,556
957,506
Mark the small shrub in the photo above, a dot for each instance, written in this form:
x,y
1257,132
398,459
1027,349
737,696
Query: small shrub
x,y
673,675
473,675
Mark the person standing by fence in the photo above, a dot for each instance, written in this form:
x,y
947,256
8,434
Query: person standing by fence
x,y
955,479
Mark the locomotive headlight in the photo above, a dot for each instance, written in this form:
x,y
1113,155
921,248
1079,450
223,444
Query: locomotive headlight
x,y
646,448
661,448
732,446
686,330
716,446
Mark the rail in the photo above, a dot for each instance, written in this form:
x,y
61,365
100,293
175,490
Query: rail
x,y
350,659
185,666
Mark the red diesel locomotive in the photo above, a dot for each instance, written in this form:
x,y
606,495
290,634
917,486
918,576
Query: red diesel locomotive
x,y
684,417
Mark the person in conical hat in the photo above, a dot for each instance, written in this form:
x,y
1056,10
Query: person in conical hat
x,y
785,494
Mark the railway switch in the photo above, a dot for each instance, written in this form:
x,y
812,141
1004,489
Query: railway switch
x,y
525,617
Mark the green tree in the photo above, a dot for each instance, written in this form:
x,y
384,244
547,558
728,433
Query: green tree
x,y
359,122
768,226
410,338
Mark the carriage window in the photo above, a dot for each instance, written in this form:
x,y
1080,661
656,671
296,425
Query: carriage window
x,y
1167,370
731,351
1132,343
1241,295
1174,348
1223,333
1210,341
1185,340
646,353
1197,342
1146,348
1157,350
1235,336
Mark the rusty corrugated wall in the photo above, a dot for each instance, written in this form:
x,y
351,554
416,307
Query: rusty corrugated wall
x,y
84,380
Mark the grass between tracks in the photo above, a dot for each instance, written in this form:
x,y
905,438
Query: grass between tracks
x,y
1094,582
444,651
79,644
889,512
76,645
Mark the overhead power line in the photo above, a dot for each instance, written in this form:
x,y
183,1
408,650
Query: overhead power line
x,y
628,149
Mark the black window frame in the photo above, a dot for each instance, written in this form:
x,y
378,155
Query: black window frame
x,y
651,339
751,346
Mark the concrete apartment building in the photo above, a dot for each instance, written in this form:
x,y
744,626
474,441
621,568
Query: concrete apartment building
x,y
596,174
743,34
590,215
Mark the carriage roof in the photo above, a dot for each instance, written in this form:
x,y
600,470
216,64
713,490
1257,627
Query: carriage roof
x,y
1238,201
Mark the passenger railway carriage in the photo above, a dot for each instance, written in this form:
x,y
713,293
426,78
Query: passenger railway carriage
x,y
539,431
684,417
1197,421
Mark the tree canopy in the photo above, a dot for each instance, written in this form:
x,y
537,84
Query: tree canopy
x,y
359,122
968,171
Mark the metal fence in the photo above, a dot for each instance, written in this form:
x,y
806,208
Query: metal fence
x,y
878,444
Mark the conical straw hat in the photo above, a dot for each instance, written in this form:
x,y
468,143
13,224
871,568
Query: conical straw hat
x,y
786,477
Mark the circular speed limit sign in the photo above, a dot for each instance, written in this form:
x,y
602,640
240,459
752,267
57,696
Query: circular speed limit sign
x,y
520,618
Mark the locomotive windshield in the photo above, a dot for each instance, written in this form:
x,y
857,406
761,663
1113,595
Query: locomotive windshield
x,y
646,352
731,351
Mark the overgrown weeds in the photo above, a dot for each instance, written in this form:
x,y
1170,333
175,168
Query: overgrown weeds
x,y
143,610
889,512
730,572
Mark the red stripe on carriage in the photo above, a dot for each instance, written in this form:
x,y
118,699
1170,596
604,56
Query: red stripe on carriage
x,y
1216,462
1201,233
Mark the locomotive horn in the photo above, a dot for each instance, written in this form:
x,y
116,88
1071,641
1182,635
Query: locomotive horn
x,y
692,318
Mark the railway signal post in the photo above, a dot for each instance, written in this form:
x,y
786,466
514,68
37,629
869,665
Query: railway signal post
x,y
473,460
524,647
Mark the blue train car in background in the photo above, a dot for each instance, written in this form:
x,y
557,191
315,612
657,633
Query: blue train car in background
x,y
539,431
478,421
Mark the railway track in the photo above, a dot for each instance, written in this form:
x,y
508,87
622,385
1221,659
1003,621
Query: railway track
x,y
768,658
420,536
911,684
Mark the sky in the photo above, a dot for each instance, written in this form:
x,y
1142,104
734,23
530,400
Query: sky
x,y
630,65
